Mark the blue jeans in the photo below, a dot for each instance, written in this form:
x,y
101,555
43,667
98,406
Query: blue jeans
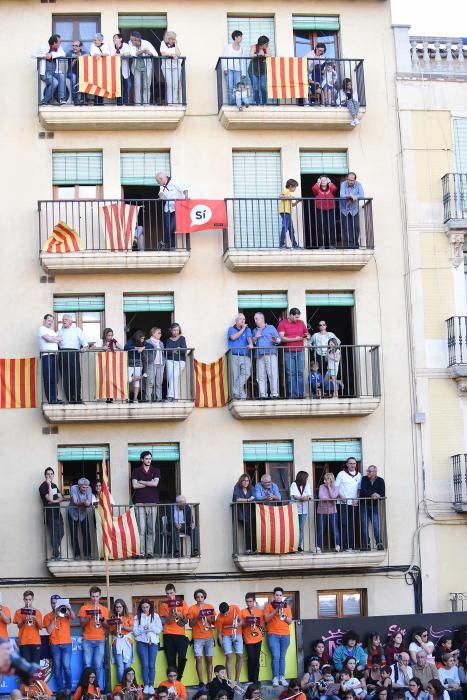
x,y
293,361
169,230
260,88
369,513
233,77
49,376
52,81
61,655
301,527
278,645
120,664
321,519
287,225
124,99
350,227
93,656
347,517
147,655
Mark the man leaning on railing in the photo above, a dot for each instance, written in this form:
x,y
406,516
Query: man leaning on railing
x,y
49,70
267,490
372,489
350,192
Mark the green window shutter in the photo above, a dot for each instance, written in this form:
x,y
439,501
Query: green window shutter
x,y
77,168
79,303
312,23
149,302
142,22
82,454
336,450
265,300
252,28
268,451
460,143
160,453
140,167
330,299
323,162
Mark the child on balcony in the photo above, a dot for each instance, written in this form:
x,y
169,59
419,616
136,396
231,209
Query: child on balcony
x,y
328,85
240,96
285,212
315,380
348,98
331,383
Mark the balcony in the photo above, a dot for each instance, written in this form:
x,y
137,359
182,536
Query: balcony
x,y
457,351
321,109
71,548
114,235
459,481
95,386
159,103
326,240
436,57
359,531
348,385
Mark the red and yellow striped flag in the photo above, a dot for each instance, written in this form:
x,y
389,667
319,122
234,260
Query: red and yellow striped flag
x,y
63,239
117,537
277,529
118,221
287,78
100,76
211,384
18,385
112,376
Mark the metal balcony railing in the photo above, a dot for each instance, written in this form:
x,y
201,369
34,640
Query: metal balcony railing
x,y
327,526
70,531
275,372
455,197
459,478
457,340
79,376
145,80
274,223
114,224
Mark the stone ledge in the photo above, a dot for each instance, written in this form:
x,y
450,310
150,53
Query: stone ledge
x,y
302,408
286,117
104,412
88,261
133,567
110,117
306,560
244,259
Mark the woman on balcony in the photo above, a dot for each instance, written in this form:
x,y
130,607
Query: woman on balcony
x,y
171,67
176,360
326,512
135,348
325,224
300,491
257,70
98,48
244,496
121,48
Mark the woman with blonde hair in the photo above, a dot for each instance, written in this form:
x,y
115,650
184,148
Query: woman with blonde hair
x,y
171,67
326,511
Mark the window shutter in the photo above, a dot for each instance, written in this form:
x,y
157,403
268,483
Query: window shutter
x,y
262,300
160,453
77,168
142,22
140,168
351,604
83,454
149,302
323,162
336,450
330,299
327,605
252,28
460,144
78,303
312,23
268,451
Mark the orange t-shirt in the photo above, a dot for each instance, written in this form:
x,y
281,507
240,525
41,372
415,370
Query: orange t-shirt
x,y
172,627
198,631
93,691
127,620
276,625
90,631
39,686
119,688
3,625
246,629
61,633
28,634
224,622
179,688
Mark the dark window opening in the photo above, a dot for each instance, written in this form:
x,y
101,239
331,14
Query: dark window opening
x,y
169,484
145,320
280,472
150,215
71,471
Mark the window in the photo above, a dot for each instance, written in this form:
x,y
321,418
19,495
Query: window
x,y
342,603
274,458
143,311
308,30
272,304
330,456
292,599
87,312
166,457
252,28
460,150
336,308
77,174
151,27
76,461
71,27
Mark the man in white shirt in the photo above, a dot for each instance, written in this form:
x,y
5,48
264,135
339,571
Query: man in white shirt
x,y
401,673
142,52
48,347
71,341
348,482
170,191
52,70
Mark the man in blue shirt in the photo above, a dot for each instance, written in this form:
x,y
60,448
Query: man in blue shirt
x,y
240,344
265,338
266,490
351,191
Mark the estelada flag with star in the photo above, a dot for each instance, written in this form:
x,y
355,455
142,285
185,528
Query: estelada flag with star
x,y
199,215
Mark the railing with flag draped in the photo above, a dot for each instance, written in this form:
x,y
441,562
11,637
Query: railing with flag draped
x,y
316,82
116,225
151,80
282,527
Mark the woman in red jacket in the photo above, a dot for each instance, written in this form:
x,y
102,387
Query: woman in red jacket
x,y
325,212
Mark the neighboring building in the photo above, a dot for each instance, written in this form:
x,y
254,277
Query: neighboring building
x,y
432,100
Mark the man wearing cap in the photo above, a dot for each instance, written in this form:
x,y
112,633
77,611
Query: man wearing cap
x,y
80,503
59,631
71,341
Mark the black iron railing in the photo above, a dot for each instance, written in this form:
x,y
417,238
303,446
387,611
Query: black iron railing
x,y
457,340
459,477
455,196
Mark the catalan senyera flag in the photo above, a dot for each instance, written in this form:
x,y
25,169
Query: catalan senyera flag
x,y
112,375
199,215
18,383
211,384
100,76
118,221
63,239
287,78
276,528
117,537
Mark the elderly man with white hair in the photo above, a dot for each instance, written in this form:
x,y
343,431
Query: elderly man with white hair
x,y
71,341
78,510
169,191
265,338
239,340
181,521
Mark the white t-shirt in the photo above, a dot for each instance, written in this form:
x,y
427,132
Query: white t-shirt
x,y
171,191
302,506
348,485
237,59
72,338
429,647
350,685
449,675
44,345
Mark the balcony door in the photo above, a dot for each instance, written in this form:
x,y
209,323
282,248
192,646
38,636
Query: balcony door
x,y
82,27
460,150
309,30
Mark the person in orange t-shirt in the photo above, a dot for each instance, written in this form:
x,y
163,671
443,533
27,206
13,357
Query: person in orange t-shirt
x,y
94,635
36,689
29,639
87,686
202,619
278,617
122,643
5,619
230,638
128,686
59,631
175,640
252,620
177,690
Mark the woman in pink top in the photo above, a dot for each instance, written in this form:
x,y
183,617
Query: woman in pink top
x,y
325,213
326,512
